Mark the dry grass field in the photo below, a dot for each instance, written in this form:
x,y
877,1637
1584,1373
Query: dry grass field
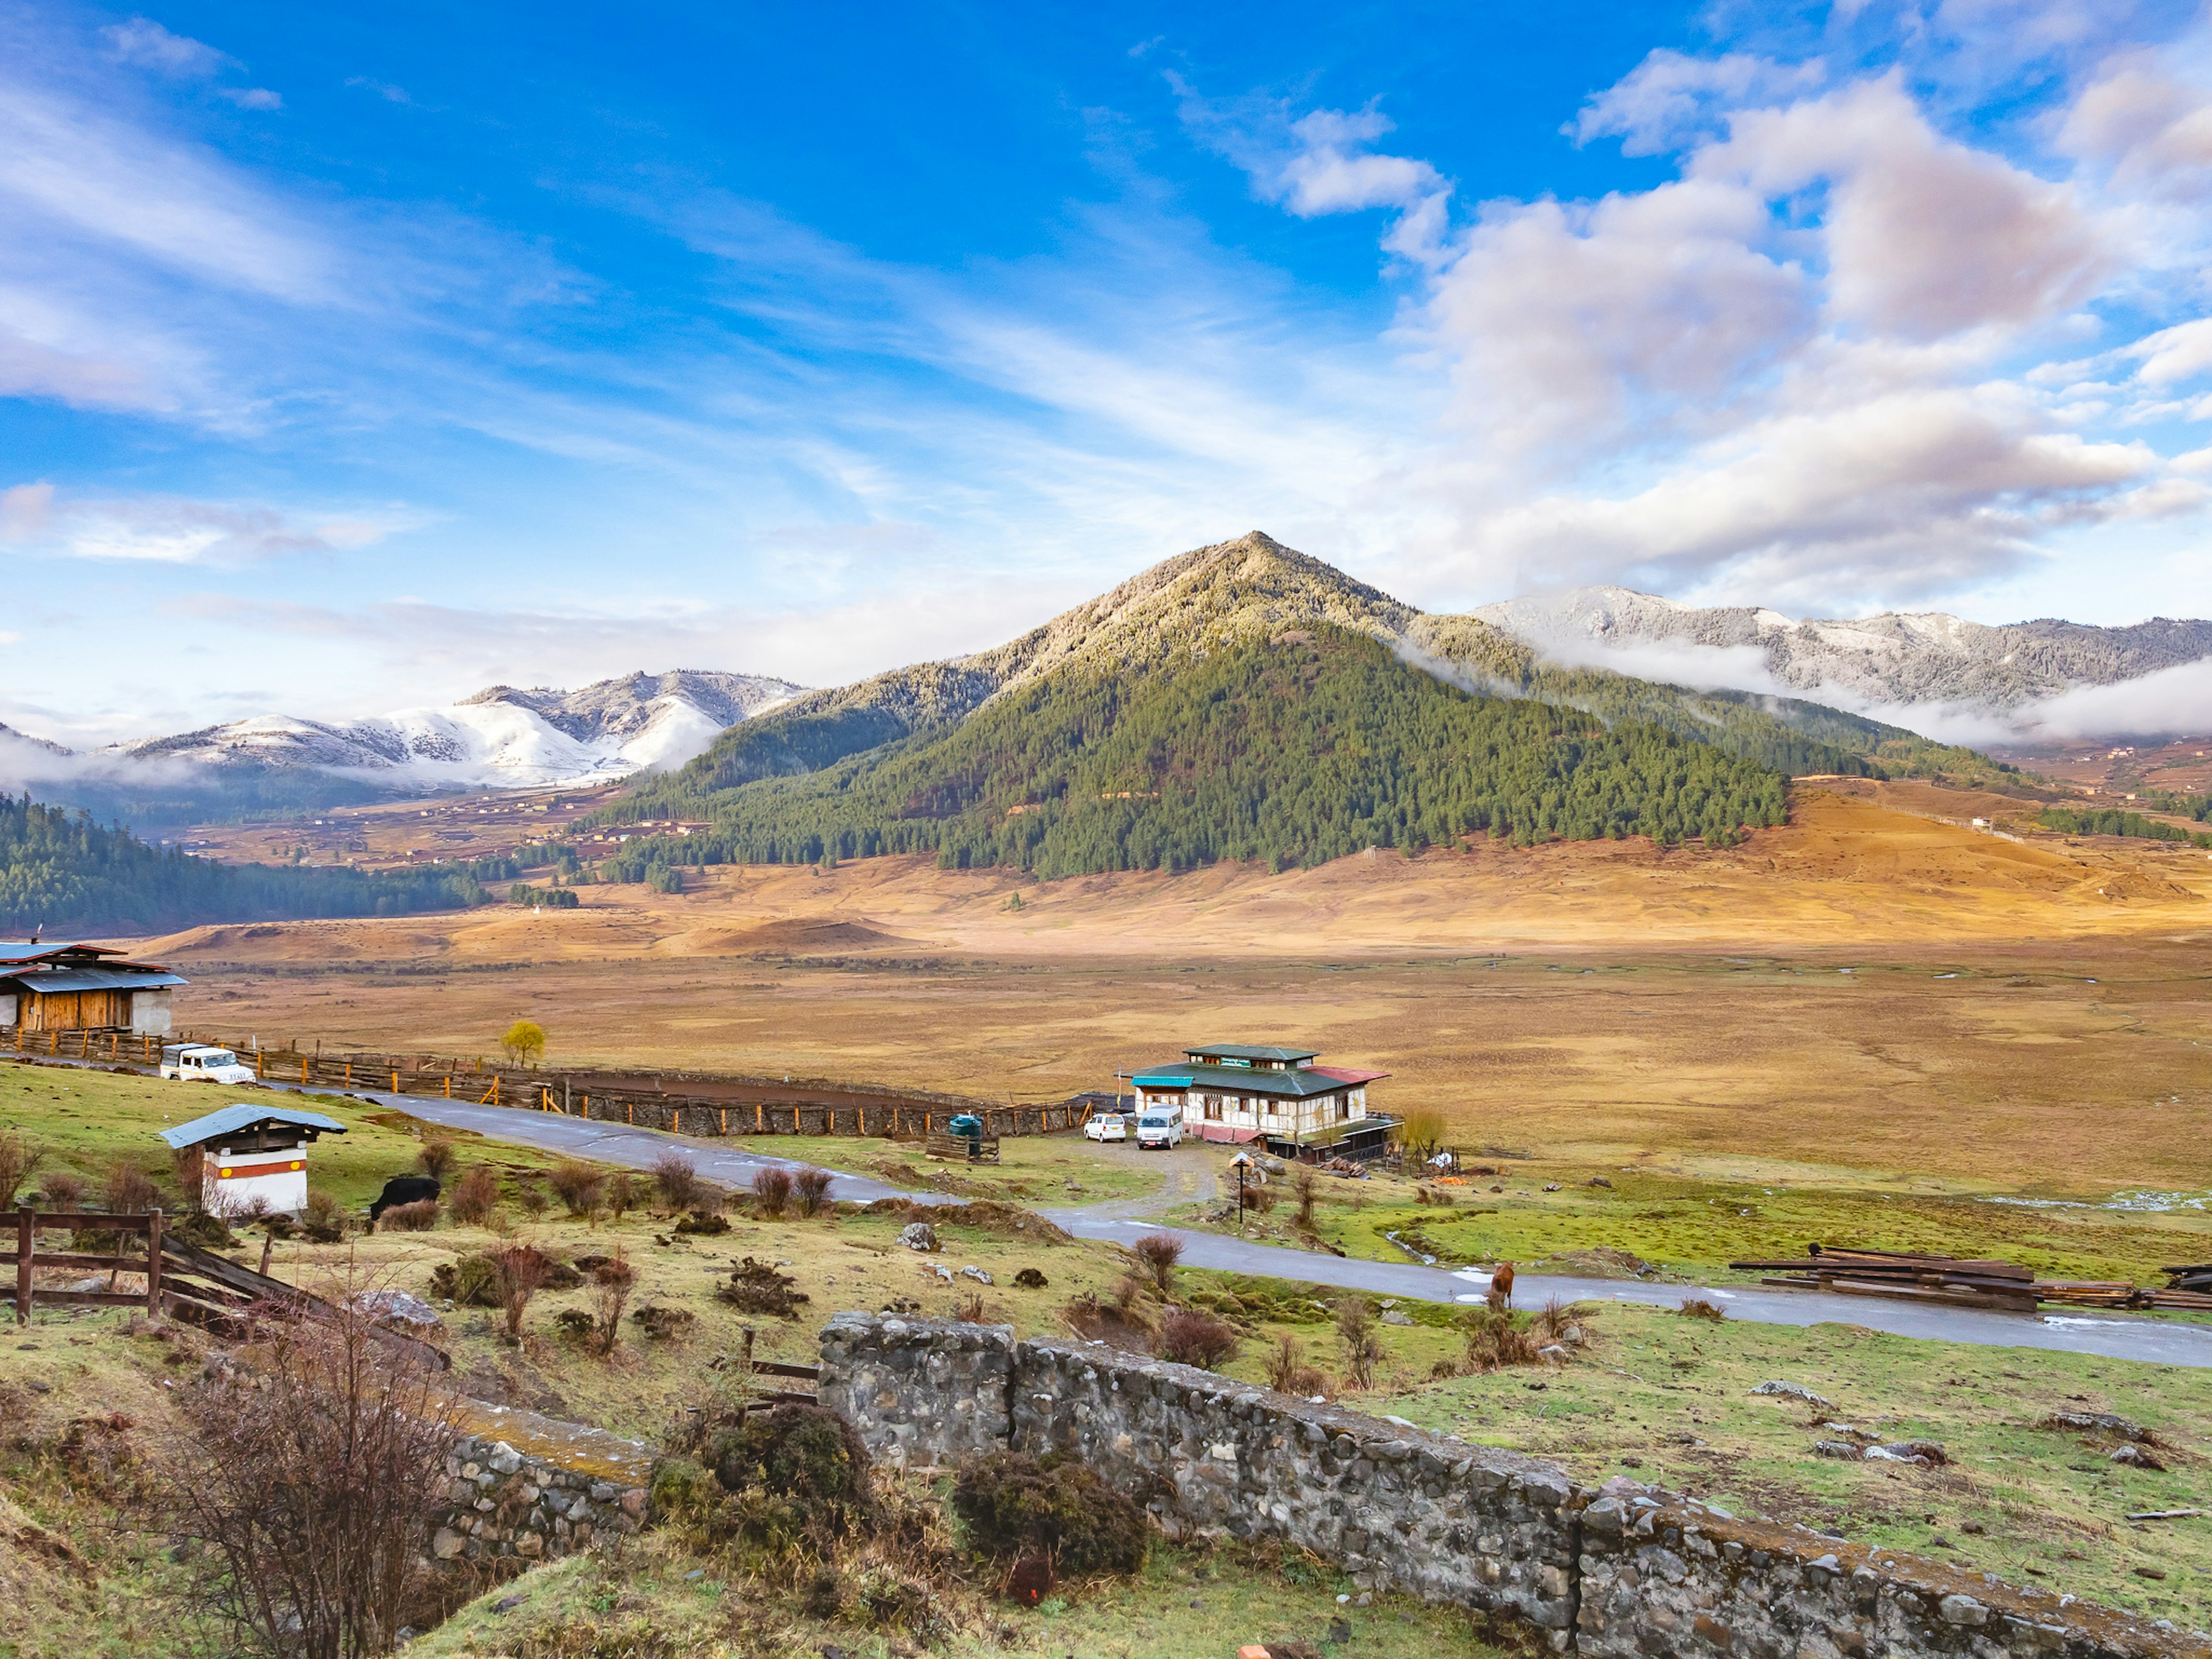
x,y
1874,990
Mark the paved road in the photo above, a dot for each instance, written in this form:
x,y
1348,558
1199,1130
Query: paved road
x,y
2113,1336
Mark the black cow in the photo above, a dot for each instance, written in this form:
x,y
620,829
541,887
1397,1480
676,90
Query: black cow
x,y
404,1189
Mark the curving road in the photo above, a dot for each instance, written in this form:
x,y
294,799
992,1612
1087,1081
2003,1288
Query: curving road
x,y
2109,1335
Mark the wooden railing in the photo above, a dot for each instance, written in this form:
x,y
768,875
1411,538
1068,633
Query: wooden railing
x,y
28,1258
681,1103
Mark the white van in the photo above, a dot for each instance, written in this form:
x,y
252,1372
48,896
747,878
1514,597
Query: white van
x,y
199,1062
1160,1126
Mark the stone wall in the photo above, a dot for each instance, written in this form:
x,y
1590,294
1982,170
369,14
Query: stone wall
x,y
1623,1571
532,1487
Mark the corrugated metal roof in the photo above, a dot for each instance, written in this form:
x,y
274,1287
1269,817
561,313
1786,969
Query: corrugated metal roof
x,y
1242,1051
1346,1073
52,981
233,1119
22,949
1237,1081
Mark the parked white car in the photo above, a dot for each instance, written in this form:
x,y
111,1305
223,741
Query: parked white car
x,y
201,1062
1106,1126
1158,1128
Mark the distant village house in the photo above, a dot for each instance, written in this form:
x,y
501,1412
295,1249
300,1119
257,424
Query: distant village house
x,y
1236,1092
83,988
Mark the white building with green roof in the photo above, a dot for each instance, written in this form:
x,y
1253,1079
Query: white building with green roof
x,y
1239,1092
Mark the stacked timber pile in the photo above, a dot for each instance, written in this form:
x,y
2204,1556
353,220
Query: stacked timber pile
x,y
1942,1280
2186,1287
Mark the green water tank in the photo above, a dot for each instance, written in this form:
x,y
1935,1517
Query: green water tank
x,y
968,1124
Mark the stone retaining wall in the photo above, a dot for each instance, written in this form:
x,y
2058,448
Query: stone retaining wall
x,y
532,1487
1624,1571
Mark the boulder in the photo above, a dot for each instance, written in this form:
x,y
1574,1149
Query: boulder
x,y
918,1236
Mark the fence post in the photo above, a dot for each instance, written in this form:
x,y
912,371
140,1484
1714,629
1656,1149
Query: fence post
x,y
395,1083
25,1233
154,1262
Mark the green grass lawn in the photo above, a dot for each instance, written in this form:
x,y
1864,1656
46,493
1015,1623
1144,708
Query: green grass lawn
x,y
87,1119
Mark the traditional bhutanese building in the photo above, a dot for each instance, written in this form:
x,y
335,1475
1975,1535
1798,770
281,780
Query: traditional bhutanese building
x,y
251,1157
83,988
1233,1091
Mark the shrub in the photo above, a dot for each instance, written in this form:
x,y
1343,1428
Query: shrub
x,y
1494,1341
18,1156
517,1272
129,1189
1356,1335
1013,1505
1188,1336
1158,1253
416,1218
812,1189
474,1280
1697,1307
524,1043
1420,1131
611,1283
577,1184
771,1192
677,1179
621,1193
1256,1198
59,1189
475,1196
1307,1185
661,1323
435,1155
1288,1373
324,1218
1030,1279
797,1478
700,1223
530,1196
755,1287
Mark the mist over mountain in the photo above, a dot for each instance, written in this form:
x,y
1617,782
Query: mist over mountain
x,y
1940,674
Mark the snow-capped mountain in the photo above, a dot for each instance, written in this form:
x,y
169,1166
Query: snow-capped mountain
x,y
503,738
1935,673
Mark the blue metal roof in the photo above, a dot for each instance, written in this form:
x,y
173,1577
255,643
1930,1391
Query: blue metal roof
x,y
52,981
232,1119
23,950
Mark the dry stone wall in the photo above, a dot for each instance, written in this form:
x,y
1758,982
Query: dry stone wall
x,y
534,1488
1626,1573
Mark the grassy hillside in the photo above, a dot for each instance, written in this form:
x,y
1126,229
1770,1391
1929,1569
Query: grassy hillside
x,y
1294,750
69,872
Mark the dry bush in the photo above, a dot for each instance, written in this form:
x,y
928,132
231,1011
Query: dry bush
x,y
530,1196
756,1287
1261,1199
1028,1278
1494,1341
771,1192
677,1177
1190,1336
475,1196
59,1189
579,1186
435,1156
662,1323
811,1188
308,1486
1288,1372
1307,1185
20,1155
323,1217
1554,1319
517,1272
1015,1507
1696,1307
798,1483
128,1189
420,1217
1129,1294
1356,1334
611,1283
1126,1329
1158,1254
969,1307
621,1194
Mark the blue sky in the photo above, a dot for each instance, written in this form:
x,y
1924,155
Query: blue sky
x,y
352,360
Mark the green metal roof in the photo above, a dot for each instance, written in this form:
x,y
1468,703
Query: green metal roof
x,y
1245,1051
1238,1080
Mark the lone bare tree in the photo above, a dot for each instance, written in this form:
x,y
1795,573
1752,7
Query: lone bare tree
x,y
309,1479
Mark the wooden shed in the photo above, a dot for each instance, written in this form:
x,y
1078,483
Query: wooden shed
x,y
83,988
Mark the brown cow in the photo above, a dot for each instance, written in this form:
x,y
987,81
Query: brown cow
x,y
1501,1285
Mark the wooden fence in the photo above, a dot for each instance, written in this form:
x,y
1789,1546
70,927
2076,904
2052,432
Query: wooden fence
x,y
679,1102
181,1279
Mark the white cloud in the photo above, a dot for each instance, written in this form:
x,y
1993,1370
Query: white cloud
x,y
171,530
1671,99
146,43
253,97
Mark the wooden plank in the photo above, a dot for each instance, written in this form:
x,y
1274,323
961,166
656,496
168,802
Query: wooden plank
x,y
25,1239
777,1368
89,1221
100,1263
154,1261
95,1298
